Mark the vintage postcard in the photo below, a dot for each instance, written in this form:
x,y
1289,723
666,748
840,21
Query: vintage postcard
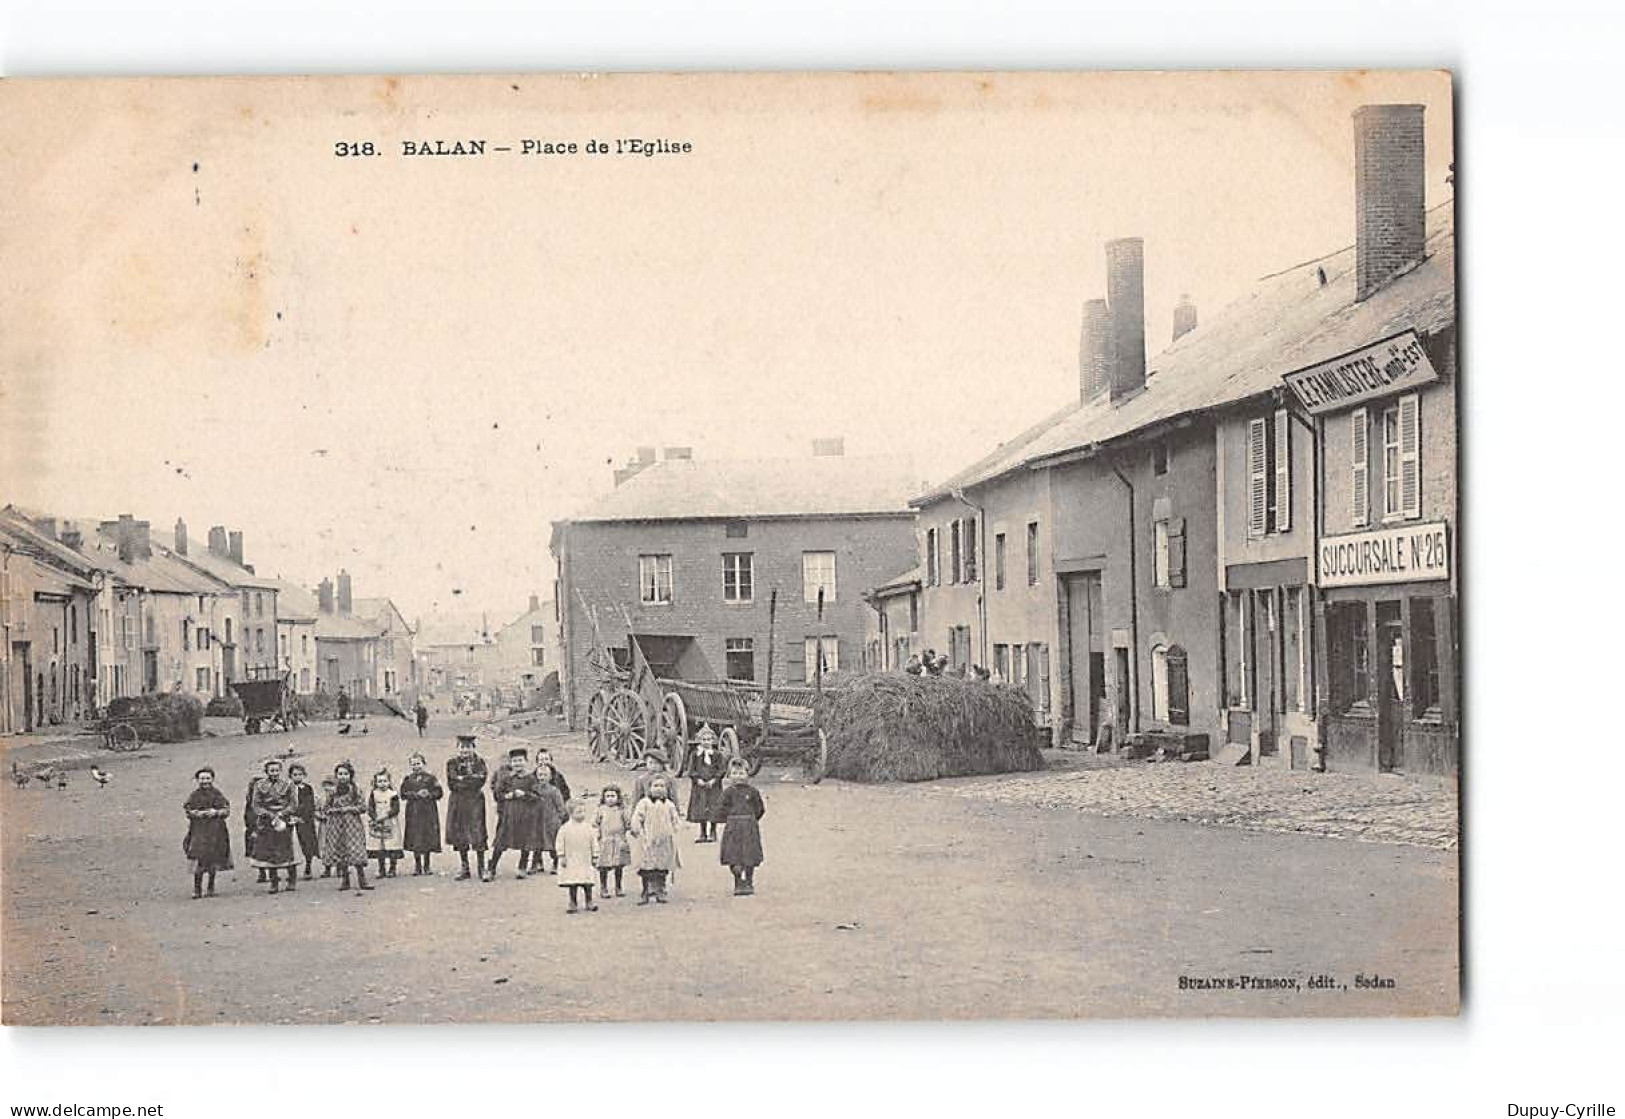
x,y
737,546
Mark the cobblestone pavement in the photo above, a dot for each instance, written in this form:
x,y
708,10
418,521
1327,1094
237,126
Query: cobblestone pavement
x,y
1385,809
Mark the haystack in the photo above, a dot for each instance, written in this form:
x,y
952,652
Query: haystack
x,y
896,727
167,717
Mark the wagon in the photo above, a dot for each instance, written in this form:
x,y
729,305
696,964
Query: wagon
x,y
660,689
267,699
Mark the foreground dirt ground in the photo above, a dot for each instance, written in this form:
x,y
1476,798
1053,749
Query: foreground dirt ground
x,y
876,902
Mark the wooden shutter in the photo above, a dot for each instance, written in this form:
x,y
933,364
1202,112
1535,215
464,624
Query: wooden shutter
x,y
1176,552
1179,687
1360,480
1257,478
1283,470
1410,455
970,550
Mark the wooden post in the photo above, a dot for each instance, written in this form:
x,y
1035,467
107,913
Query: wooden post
x,y
818,664
767,692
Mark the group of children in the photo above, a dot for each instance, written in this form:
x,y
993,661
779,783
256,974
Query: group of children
x,y
346,829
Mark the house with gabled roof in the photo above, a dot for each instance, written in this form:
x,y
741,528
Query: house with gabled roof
x,y
693,550
396,665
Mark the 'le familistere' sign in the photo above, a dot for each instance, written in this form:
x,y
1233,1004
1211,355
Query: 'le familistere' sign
x,y
1392,365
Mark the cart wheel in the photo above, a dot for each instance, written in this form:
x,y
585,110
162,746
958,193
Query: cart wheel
x,y
673,737
820,760
597,741
728,742
626,726
123,738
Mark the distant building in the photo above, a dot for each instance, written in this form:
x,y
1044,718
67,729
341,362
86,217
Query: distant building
x,y
245,630
49,598
528,648
346,645
694,549
396,665
296,616
892,632
456,653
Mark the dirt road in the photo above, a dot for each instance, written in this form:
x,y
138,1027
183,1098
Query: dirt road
x,y
904,902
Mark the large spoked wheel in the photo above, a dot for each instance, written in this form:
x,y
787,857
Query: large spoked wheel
x,y
673,729
728,743
123,738
626,726
597,741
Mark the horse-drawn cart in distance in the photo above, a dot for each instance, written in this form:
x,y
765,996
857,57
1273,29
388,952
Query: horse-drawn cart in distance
x,y
659,690
267,698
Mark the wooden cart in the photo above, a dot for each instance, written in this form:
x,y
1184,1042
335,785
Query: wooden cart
x,y
267,699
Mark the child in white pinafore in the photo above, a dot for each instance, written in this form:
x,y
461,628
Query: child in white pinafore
x,y
574,846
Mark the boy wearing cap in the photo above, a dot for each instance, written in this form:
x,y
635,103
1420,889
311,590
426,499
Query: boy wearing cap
x,y
466,774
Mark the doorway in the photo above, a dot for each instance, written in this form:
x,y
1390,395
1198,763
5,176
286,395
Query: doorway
x,y
1266,656
1390,685
19,652
149,670
1086,657
1124,683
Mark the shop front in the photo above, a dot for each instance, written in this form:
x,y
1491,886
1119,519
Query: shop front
x,y
1389,619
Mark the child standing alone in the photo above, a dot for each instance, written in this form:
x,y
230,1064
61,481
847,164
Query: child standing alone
x,y
208,841
576,845
421,791
610,824
739,812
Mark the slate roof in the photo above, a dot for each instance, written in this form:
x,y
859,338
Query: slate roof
x,y
223,568
17,528
712,489
1286,322
345,627
377,609
907,580
294,603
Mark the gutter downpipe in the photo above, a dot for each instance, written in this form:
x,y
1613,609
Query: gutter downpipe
x,y
981,569
1133,604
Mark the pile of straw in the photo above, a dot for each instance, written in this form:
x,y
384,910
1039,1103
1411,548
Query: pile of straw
x,y
895,727
165,717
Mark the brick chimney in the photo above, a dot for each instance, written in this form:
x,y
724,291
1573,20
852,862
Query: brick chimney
x,y
1095,351
535,603
345,599
134,539
1389,197
1184,317
635,465
73,538
46,526
1125,295
236,539
217,541
180,537
829,447
324,595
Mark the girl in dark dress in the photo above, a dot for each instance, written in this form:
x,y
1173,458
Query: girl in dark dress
x,y
706,768
208,841
740,810
551,813
465,811
304,815
272,805
248,822
421,792
517,792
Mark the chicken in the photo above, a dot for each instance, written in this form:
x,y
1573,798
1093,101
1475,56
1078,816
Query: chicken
x,y
45,776
62,780
363,730
18,777
344,728
100,775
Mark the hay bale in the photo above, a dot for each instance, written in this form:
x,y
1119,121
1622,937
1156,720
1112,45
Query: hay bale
x,y
165,717
896,727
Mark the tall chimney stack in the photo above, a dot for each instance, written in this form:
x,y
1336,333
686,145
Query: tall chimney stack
x,y
1095,350
46,526
236,545
324,595
1125,294
180,536
1184,317
535,603
217,541
73,538
345,600
1389,194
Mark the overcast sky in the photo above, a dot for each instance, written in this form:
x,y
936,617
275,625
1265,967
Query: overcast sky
x,y
409,367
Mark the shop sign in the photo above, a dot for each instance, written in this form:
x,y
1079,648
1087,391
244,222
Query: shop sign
x,y
1392,365
1407,554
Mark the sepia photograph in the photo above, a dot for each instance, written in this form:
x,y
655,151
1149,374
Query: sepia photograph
x,y
730,547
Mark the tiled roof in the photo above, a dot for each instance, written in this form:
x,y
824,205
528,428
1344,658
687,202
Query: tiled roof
x,y
223,568
709,489
159,572
345,627
378,609
907,580
16,527
47,579
1288,321
294,603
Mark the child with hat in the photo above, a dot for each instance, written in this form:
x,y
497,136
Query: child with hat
x,y
518,795
466,774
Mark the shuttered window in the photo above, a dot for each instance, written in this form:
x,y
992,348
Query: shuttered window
x,y
1257,477
1179,687
1176,552
1410,455
956,558
1360,479
970,550
1283,471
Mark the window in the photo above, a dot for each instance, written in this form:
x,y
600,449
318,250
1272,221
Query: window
x,y
933,559
737,530
1159,683
537,655
259,605
304,679
538,635
1424,653
127,638
1349,655
73,624
1234,636
970,550
203,679
203,640
1159,569
228,631
1401,461
1159,457
827,649
1360,479
186,634
1038,680
739,653
1168,563
1281,491
959,648
1032,553
1018,665
817,574
304,644
654,580
282,645
1292,647
914,613
1178,685
955,553
738,576
1269,474
998,561
259,640
1001,663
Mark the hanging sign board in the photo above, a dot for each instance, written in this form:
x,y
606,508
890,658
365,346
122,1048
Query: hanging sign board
x,y
1404,554
1392,365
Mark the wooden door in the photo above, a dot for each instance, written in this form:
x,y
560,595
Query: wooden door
x,y
1390,684
1079,669
1266,656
